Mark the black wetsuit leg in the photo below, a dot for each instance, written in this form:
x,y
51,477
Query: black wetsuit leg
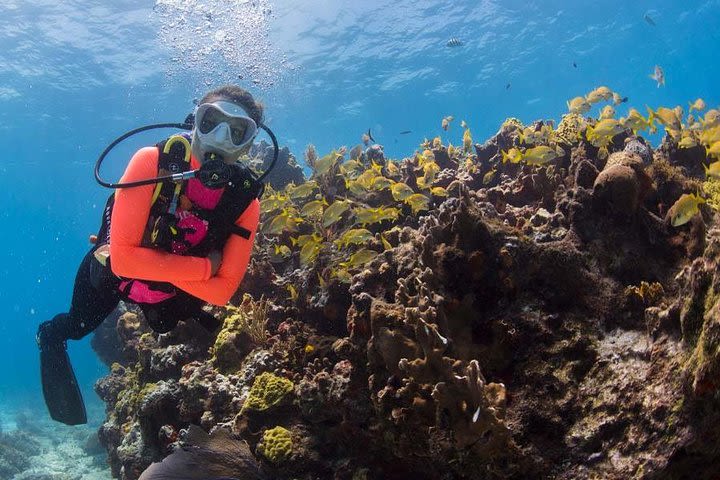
x,y
164,316
95,296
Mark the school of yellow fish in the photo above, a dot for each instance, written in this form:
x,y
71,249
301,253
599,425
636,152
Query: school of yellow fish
x,y
333,229
304,220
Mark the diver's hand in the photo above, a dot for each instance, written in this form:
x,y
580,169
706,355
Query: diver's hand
x,y
215,258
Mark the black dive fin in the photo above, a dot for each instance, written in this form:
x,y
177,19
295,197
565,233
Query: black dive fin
x,y
60,388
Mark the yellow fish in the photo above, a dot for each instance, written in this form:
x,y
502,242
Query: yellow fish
x,y
276,201
489,176
667,117
513,155
635,121
386,244
430,169
400,191
334,212
686,207
361,257
282,250
439,191
540,155
301,191
391,168
355,187
578,105
354,236
351,166
291,290
710,135
446,122
603,132
381,183
712,118
309,252
594,97
366,178
698,105
427,156
713,170
279,253
324,164
467,140
366,216
283,222
607,112
417,202
713,150
618,99
687,140
313,209
341,274
303,239
604,92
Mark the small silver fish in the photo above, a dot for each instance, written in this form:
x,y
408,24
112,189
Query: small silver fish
x,y
454,42
659,76
649,19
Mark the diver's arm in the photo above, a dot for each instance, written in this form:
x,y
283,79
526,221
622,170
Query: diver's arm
x,y
129,218
236,254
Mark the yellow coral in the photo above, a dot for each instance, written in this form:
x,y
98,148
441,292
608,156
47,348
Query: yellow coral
x,y
512,123
276,444
267,391
712,189
249,318
570,128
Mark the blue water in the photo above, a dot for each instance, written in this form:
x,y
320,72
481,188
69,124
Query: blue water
x,y
76,75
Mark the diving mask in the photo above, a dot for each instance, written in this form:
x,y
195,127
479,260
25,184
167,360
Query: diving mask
x,y
222,129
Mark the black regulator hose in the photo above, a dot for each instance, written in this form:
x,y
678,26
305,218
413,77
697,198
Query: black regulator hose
x,y
173,177
276,152
101,158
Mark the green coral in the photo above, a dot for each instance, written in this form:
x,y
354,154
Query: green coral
x,y
276,444
267,391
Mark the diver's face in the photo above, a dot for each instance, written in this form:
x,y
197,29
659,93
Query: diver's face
x,y
222,129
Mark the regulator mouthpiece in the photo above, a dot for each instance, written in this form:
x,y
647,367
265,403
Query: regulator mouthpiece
x,y
214,173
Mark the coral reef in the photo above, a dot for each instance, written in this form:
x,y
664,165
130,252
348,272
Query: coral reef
x,y
519,308
285,171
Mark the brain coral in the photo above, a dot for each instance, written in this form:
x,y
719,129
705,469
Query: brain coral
x,y
267,391
276,444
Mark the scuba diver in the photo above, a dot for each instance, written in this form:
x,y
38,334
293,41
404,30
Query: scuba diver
x,y
176,234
